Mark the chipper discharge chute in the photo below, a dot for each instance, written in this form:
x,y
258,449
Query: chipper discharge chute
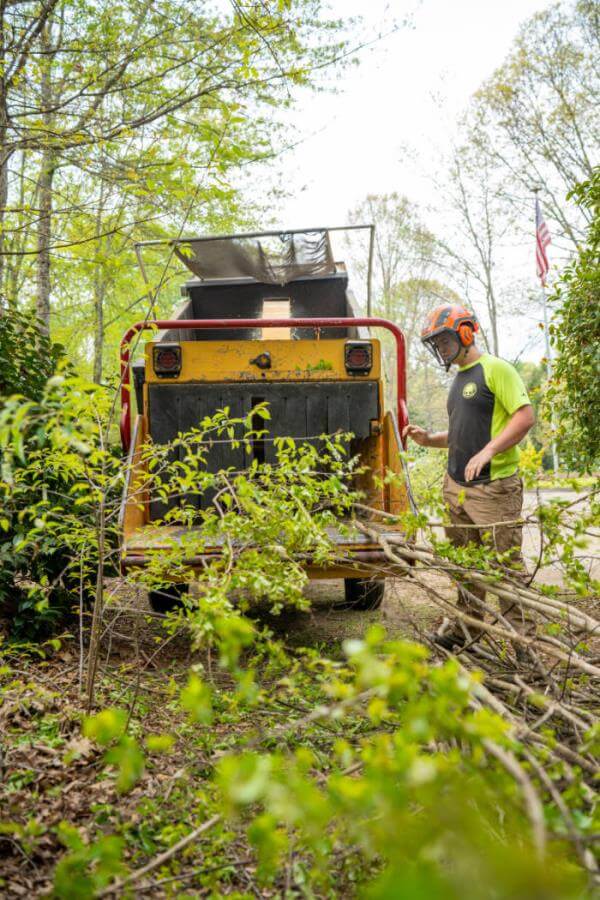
x,y
264,325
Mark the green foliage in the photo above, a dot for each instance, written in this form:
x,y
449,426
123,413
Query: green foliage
x,y
268,519
398,793
198,92
56,471
159,743
108,729
375,772
388,777
196,699
535,119
427,468
27,356
87,867
530,463
385,781
575,332
535,379
129,760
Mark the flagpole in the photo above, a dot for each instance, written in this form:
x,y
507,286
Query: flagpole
x,y
549,372
555,461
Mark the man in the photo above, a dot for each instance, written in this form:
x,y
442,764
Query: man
x,y
489,413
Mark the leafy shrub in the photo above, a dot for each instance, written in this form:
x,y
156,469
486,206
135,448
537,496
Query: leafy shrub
x,y
27,360
48,497
390,779
27,356
394,777
415,778
575,333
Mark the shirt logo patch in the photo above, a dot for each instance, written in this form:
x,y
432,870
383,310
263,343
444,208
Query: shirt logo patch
x,y
469,390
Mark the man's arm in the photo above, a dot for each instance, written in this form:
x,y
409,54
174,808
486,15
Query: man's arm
x,y
425,438
514,431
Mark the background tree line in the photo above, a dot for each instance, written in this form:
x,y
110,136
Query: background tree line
x,y
533,124
126,121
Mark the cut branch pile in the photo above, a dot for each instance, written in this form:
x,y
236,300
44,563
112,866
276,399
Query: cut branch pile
x,y
557,687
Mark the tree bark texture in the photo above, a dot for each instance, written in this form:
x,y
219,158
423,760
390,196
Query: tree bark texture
x,y
46,177
44,236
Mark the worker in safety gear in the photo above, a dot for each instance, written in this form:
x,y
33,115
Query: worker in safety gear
x,y
489,412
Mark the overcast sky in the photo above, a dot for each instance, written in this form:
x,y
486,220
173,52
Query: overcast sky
x,y
394,114
396,111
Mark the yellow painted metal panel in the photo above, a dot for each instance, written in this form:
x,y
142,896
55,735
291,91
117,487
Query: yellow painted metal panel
x,y
371,453
396,494
218,361
135,513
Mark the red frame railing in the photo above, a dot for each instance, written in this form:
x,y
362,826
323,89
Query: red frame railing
x,y
168,324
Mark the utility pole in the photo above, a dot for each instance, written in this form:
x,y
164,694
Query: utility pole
x,y
555,461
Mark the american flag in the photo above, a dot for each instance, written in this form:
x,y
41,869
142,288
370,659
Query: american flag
x,y
542,239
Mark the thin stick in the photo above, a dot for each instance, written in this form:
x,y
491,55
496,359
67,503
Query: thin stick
x,y
533,805
161,858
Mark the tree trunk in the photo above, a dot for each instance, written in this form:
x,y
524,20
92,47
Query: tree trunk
x,y
99,294
99,286
15,260
44,235
493,315
46,177
5,155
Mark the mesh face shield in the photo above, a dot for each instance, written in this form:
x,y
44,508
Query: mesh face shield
x,y
446,359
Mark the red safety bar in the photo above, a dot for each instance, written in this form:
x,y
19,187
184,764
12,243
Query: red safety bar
x,y
168,324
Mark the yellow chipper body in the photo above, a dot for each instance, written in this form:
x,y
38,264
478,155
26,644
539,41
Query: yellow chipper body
x,y
239,341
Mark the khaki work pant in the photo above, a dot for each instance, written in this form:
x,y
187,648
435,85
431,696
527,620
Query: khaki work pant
x,y
483,505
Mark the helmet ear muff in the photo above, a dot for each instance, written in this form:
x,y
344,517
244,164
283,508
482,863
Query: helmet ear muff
x,y
465,333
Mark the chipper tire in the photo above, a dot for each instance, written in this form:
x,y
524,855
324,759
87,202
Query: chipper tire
x,y
363,595
168,598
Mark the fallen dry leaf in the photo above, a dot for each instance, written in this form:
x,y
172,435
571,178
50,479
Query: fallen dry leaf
x,y
80,747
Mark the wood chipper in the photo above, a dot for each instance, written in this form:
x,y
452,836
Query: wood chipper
x,y
267,317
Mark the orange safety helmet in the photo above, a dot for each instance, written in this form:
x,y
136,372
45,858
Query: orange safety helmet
x,y
449,319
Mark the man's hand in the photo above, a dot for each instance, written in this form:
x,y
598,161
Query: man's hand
x,y
419,435
514,431
476,463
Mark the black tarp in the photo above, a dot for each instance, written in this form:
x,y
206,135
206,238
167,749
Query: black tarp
x,y
275,259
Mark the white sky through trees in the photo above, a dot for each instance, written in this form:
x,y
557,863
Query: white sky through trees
x,y
395,115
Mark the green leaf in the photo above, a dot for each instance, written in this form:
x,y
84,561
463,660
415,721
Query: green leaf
x,y
196,698
129,759
105,726
160,743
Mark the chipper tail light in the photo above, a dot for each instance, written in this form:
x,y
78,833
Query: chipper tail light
x,y
358,357
167,360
